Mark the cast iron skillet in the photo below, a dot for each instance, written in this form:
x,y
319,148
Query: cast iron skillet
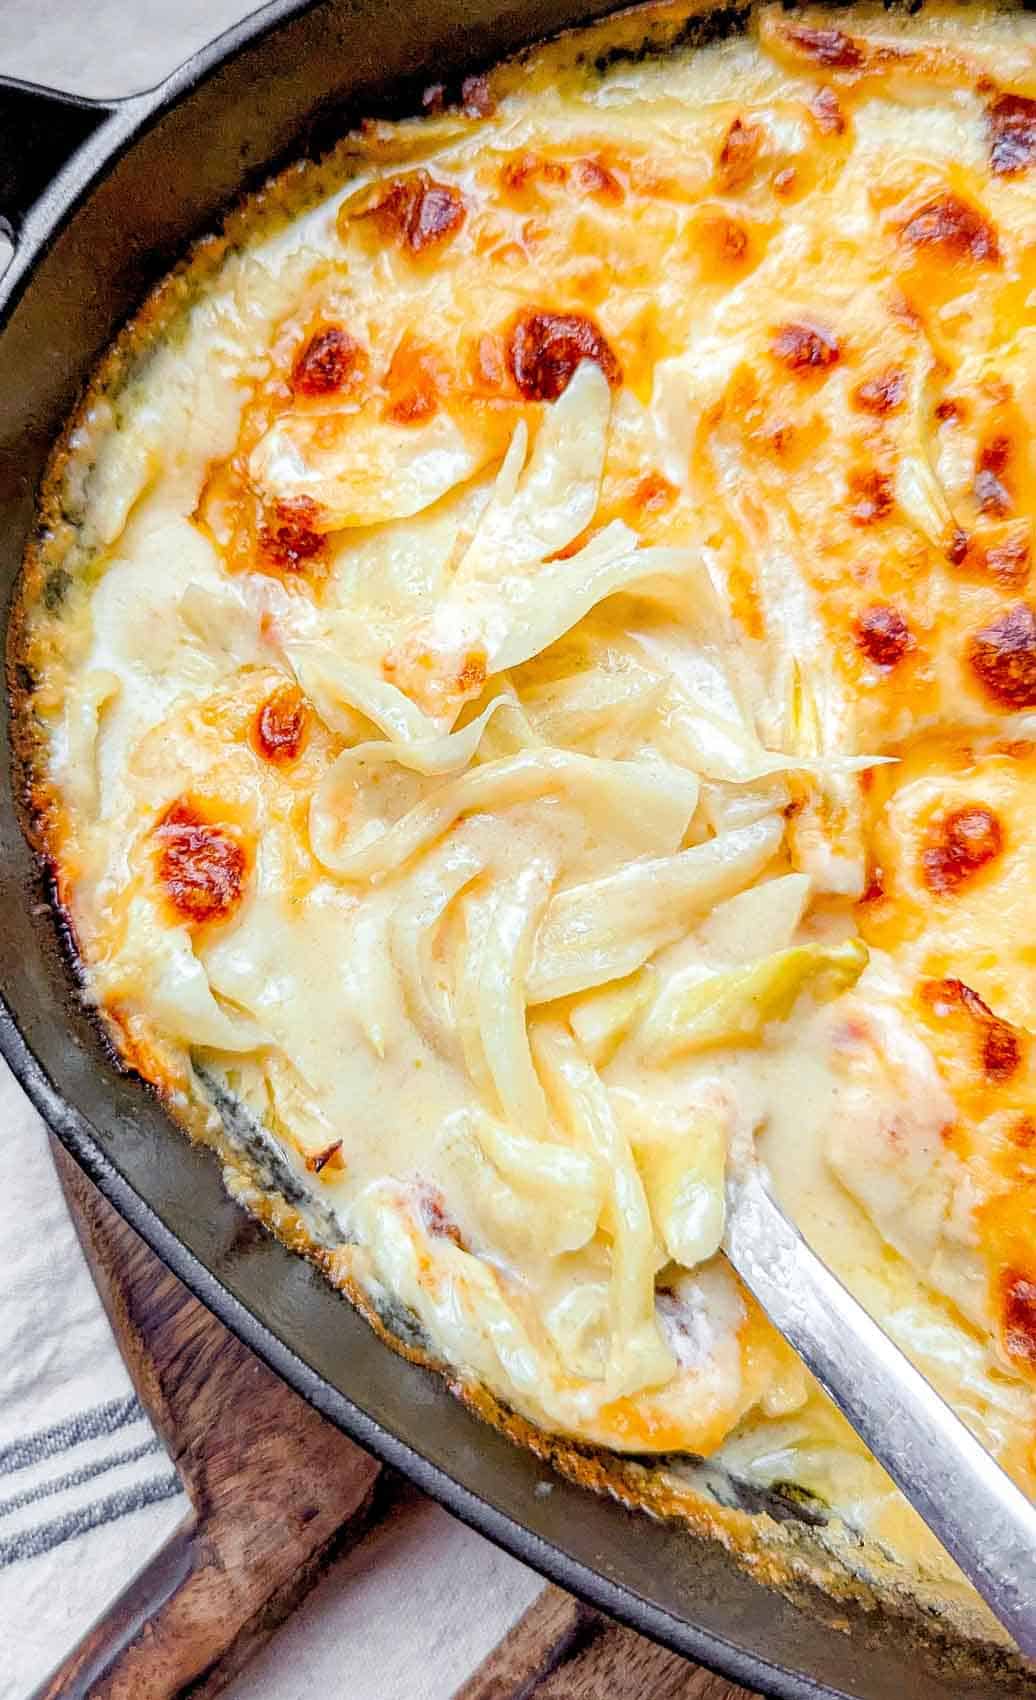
x,y
100,200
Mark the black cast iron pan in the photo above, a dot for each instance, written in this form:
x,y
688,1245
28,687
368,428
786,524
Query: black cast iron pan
x,y
100,199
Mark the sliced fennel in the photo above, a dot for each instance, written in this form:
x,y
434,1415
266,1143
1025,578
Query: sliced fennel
x,y
758,921
683,1172
603,1019
606,928
700,1008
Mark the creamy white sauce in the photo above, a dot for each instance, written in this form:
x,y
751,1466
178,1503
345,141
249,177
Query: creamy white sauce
x,y
428,964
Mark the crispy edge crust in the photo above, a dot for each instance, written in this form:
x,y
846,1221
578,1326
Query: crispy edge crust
x,y
783,1556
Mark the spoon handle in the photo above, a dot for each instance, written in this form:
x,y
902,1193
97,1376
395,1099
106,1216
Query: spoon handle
x,y
982,1519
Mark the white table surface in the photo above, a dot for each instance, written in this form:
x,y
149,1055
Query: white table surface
x,y
411,1612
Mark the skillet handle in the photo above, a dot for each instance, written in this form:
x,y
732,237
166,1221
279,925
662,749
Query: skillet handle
x,y
40,130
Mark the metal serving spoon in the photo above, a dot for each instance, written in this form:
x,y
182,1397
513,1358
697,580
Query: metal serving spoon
x,y
984,1521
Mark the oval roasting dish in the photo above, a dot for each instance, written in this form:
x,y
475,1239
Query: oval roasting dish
x,y
143,176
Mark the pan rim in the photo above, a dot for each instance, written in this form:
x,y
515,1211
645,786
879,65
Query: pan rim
x,y
131,117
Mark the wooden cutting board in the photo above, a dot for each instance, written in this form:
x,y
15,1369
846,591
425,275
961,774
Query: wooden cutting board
x,y
278,1494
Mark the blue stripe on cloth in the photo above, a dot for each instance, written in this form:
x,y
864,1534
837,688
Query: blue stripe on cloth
x,y
33,1543
85,1425
74,1478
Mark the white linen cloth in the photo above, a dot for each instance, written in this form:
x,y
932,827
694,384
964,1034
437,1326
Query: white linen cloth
x,y
88,1494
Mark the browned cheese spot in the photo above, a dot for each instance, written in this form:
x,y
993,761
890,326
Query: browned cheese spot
x,y
1001,1050
1003,557
724,239
870,495
729,240
827,113
488,365
200,864
475,98
884,393
434,1215
418,672
418,213
959,845
1002,657
471,674
953,228
992,492
281,724
546,348
830,47
654,493
595,178
1011,124
805,348
737,156
1023,1133
949,411
330,361
1008,561
1018,1305
412,383
290,539
999,1045
328,1161
516,174
882,635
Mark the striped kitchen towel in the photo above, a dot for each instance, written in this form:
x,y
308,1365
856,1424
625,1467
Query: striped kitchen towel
x,y
87,1492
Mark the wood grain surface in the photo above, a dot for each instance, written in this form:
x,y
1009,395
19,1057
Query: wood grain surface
x,y
277,1493
562,1650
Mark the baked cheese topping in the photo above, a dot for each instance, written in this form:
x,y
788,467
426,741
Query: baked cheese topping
x,y
538,692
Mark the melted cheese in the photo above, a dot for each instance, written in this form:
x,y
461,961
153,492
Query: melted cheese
x,y
495,597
